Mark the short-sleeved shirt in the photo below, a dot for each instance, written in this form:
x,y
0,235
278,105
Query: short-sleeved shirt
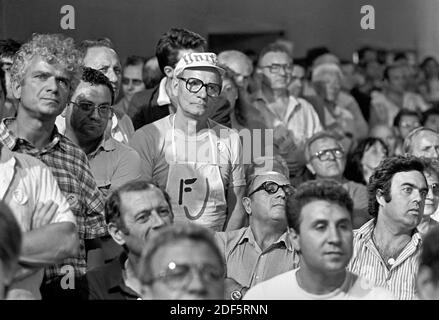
x,y
153,142
367,262
286,287
24,182
114,164
248,264
70,167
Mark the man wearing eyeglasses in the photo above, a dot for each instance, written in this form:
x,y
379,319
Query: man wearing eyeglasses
x,y
263,249
87,114
326,159
197,160
293,119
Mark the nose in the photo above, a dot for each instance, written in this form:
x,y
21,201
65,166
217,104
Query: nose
x,y
52,84
334,235
157,220
202,93
331,156
197,285
95,114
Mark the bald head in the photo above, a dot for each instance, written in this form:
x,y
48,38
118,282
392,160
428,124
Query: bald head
x,y
239,64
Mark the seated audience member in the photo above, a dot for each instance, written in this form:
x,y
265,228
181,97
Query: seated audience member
x,y
8,48
364,159
298,74
428,273
386,134
87,114
10,248
134,212
430,119
132,81
101,55
327,160
431,174
182,262
319,216
152,73
385,105
430,70
422,142
387,248
263,249
405,122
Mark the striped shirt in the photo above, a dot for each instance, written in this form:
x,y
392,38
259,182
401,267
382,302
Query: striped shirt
x,y
366,261
69,165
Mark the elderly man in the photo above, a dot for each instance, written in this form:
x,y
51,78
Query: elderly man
x,y
422,142
153,104
326,159
134,213
263,249
197,160
43,75
239,64
387,248
320,218
87,114
172,258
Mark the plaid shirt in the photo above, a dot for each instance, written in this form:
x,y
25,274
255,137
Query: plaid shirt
x,y
70,167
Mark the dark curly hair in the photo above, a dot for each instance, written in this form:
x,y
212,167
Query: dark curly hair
x,y
307,192
174,40
381,180
95,77
354,169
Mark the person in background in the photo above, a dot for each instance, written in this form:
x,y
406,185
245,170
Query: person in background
x,y
427,281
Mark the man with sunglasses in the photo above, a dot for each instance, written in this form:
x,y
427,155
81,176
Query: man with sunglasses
x,y
263,249
326,159
87,114
197,160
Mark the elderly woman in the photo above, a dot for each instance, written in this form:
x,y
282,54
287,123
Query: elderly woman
x,y
431,173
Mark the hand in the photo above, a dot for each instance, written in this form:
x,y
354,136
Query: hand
x,y
44,214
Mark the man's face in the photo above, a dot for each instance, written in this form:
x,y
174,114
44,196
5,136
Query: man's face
x,y
6,63
89,124
196,105
132,81
275,68
107,61
266,207
407,124
297,80
397,80
328,86
197,283
387,135
325,237
432,199
242,71
426,144
432,122
334,159
406,207
44,90
144,212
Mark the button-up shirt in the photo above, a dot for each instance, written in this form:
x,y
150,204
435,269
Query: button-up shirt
x,y
367,262
69,165
248,264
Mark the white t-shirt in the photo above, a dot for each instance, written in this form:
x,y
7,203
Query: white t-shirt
x,y
285,287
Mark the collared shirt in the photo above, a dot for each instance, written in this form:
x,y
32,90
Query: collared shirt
x,y
106,282
69,165
163,98
367,262
248,264
122,128
113,164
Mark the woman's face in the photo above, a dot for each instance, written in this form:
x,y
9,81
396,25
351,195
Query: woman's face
x,y
432,199
372,157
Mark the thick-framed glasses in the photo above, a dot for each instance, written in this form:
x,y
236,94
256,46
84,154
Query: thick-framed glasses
x,y
177,276
276,68
135,82
194,85
105,110
324,155
271,187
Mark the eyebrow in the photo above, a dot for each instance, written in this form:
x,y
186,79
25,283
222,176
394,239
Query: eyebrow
x,y
408,184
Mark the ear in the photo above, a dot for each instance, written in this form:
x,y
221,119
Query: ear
x,y
169,71
380,197
246,202
425,283
310,168
116,234
174,86
16,89
295,238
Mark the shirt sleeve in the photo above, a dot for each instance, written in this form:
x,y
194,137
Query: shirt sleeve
x,y
237,165
129,168
141,143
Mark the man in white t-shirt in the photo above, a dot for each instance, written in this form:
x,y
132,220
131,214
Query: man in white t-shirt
x,y
320,220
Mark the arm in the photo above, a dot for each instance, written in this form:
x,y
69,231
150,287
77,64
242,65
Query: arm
x,y
236,218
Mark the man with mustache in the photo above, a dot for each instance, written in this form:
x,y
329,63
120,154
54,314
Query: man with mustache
x,y
387,248
319,216
263,249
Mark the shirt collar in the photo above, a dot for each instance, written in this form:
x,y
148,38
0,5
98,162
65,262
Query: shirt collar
x,y
163,98
116,281
293,103
283,239
108,144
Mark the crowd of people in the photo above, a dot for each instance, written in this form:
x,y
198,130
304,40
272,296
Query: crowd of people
x,y
199,175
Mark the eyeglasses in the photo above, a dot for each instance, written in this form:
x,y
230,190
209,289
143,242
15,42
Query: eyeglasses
x,y
434,189
275,68
324,155
135,82
271,187
104,110
194,85
178,276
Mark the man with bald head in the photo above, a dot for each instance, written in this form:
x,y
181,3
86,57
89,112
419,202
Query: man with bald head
x,y
422,142
239,64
